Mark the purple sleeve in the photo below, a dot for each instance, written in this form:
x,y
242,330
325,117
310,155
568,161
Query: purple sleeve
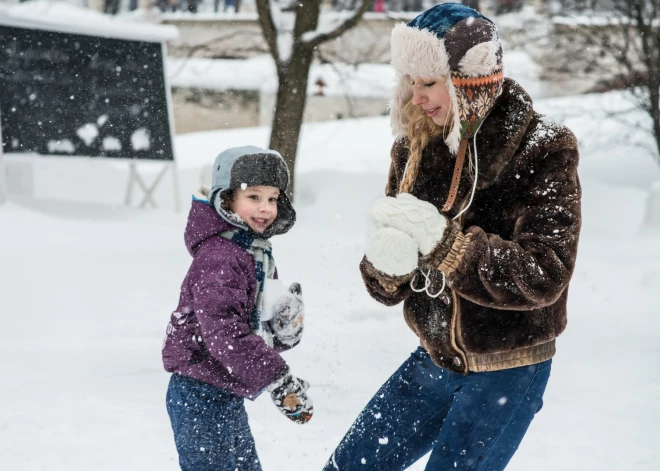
x,y
219,286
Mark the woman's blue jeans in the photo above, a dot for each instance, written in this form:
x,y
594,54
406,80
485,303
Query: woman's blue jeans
x,y
468,422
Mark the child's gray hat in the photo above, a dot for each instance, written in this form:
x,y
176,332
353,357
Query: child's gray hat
x,y
240,167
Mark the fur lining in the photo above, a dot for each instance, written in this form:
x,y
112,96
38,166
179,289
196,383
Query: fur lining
x,y
480,59
453,139
402,94
418,53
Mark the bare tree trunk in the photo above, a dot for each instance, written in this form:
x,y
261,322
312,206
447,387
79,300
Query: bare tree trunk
x,y
654,95
645,12
293,70
290,108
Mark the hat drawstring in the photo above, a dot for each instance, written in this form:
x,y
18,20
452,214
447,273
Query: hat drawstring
x,y
427,280
427,284
476,176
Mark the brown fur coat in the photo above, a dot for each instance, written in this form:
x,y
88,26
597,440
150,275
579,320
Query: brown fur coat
x,y
510,256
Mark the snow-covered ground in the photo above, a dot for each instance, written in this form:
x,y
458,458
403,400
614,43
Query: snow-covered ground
x,y
88,285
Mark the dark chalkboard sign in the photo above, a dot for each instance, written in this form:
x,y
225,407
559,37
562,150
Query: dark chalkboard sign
x,y
81,95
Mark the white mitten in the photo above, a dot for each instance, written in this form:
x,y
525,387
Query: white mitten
x,y
419,219
392,251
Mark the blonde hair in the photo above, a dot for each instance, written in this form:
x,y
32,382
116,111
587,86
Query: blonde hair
x,y
420,129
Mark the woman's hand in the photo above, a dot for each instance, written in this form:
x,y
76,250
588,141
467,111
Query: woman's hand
x,y
419,219
391,251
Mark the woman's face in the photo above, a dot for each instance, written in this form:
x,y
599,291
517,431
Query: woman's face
x,y
432,96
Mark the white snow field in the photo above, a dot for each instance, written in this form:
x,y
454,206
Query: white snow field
x,y
87,287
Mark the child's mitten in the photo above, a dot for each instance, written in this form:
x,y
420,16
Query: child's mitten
x,y
289,316
419,219
289,395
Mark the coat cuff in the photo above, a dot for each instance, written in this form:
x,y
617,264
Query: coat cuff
x,y
283,373
384,288
448,253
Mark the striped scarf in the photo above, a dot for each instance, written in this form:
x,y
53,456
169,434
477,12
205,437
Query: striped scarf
x,y
264,264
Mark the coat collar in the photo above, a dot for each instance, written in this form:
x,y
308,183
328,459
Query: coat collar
x,y
502,132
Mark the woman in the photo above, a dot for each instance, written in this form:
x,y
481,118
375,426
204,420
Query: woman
x,y
478,236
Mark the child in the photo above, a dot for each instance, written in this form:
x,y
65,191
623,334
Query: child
x,y
223,340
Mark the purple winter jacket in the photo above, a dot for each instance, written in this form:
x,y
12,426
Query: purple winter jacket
x,y
208,337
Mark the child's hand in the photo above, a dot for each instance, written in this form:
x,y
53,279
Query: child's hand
x,y
289,316
289,395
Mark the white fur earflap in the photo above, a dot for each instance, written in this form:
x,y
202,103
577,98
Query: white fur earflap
x,y
418,52
401,95
480,59
453,139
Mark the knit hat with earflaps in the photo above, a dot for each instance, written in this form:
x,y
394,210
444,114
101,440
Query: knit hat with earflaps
x,y
453,41
252,166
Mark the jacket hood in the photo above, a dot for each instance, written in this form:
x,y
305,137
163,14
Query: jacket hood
x,y
203,222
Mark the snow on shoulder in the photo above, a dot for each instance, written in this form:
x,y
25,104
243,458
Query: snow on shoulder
x,y
67,18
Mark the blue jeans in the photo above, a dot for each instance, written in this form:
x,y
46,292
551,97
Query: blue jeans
x,y
468,422
210,427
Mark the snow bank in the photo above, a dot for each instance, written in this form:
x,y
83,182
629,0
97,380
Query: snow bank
x,y
67,18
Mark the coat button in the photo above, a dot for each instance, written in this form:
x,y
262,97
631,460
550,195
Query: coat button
x,y
457,361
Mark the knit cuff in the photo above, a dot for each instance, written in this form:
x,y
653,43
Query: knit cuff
x,y
448,253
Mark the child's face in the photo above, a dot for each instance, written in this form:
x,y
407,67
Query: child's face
x,y
256,205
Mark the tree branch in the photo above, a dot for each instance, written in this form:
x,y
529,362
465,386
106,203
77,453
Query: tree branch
x,y
341,29
206,46
268,28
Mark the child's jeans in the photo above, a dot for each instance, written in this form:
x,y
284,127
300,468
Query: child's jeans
x,y
210,426
469,422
